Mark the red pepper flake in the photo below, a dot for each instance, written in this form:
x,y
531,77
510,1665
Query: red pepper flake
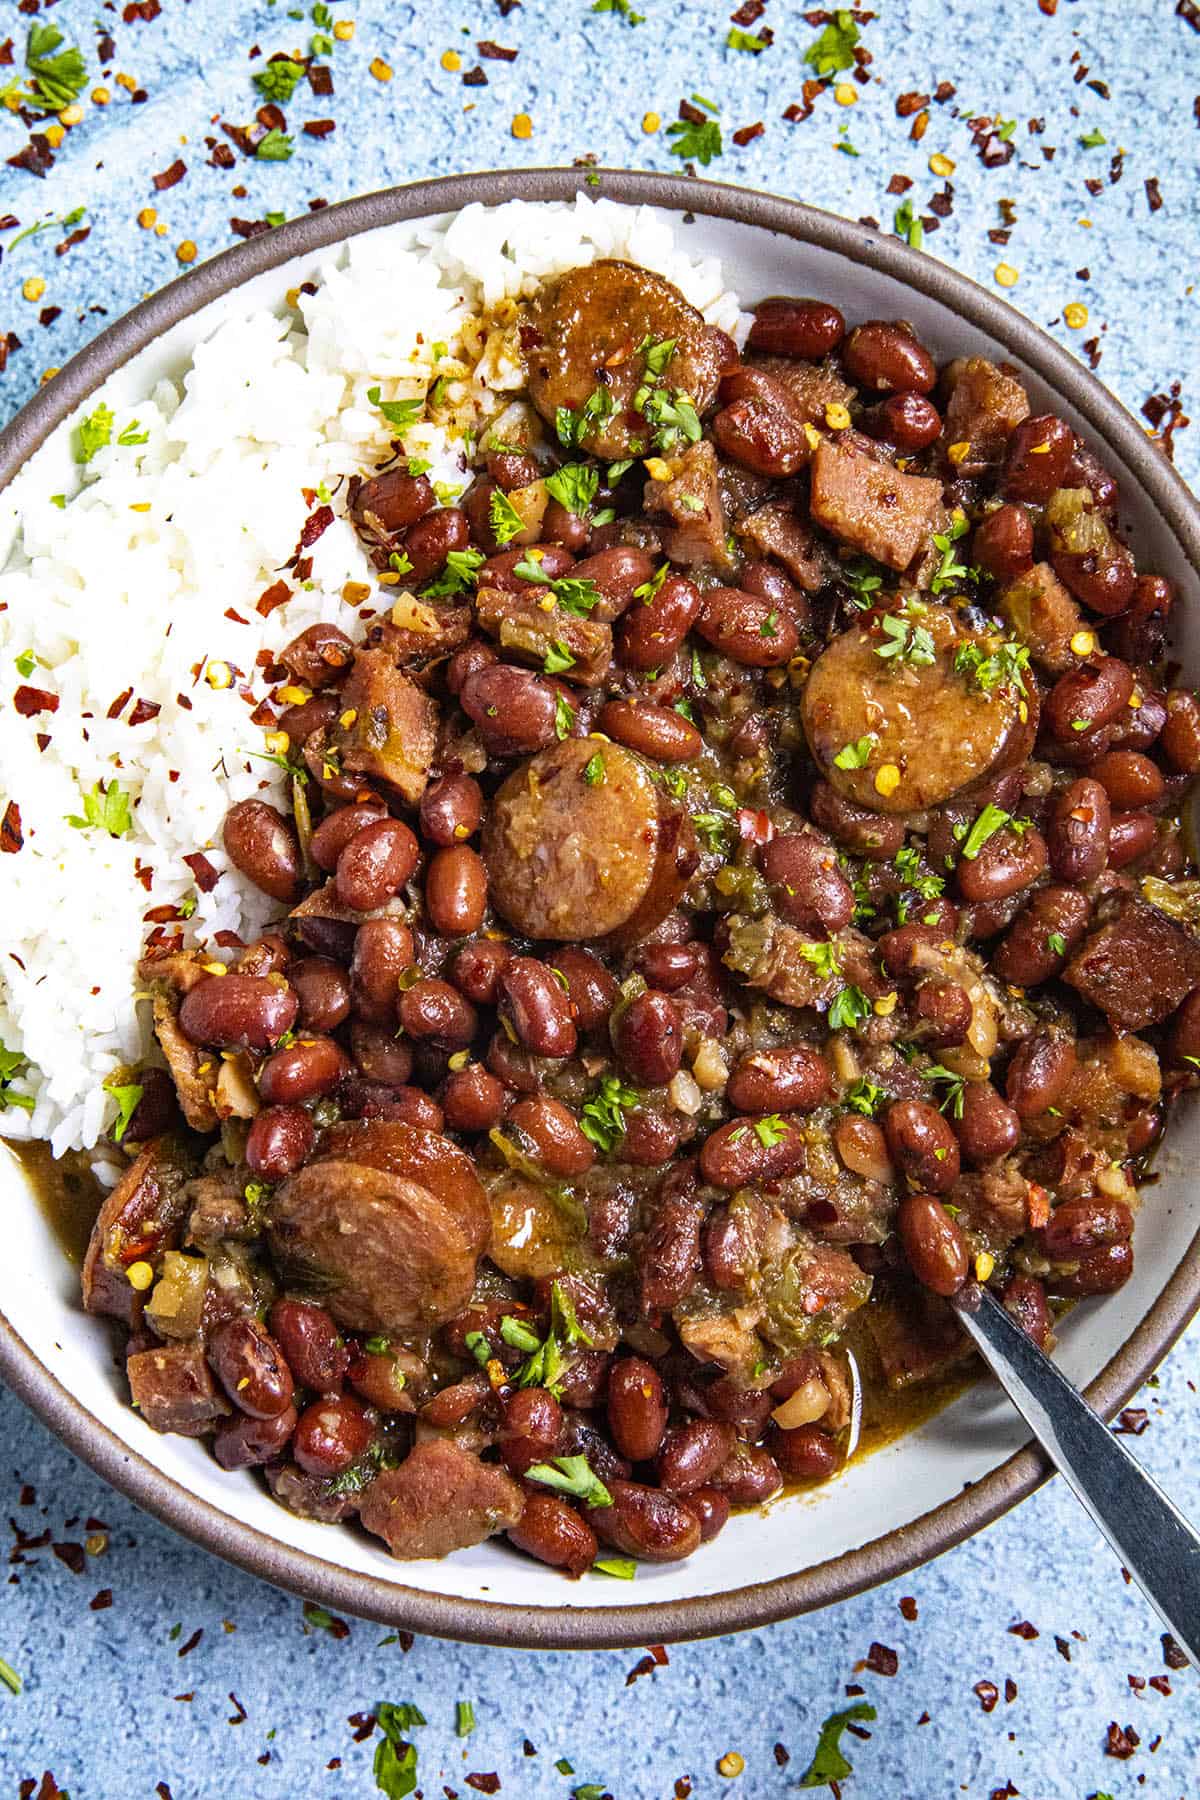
x,y
185,1649
119,704
747,134
146,11
9,341
1049,7
1161,1685
988,1694
102,1601
907,104
48,315
316,523
362,1724
272,117
1189,12
749,13
241,1715
36,157
475,77
76,237
6,58
495,52
222,156
202,870
170,176
1165,413
1132,1422
945,90
1136,1682
796,113
881,1660
143,711
899,184
320,80
1007,1792
692,114
229,940
655,1658
1119,1743
1153,198
908,1607
28,1494
1010,1690
319,128
30,700
683,1787
484,1784
1023,1629
782,1756
72,1555
271,597
1174,1655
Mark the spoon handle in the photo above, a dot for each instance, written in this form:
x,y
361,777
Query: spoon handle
x,y
1152,1538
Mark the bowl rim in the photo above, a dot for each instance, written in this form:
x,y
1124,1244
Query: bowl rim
x,y
903,1548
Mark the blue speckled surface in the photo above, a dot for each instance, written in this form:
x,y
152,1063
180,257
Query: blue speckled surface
x,y
108,1705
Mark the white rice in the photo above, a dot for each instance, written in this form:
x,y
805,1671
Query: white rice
x,y
128,586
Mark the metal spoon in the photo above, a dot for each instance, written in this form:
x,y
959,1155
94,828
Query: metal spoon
x,y
1153,1539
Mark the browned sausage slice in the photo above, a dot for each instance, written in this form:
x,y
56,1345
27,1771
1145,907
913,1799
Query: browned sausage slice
x,y
440,1499
383,1251
573,855
141,1217
931,729
416,1154
586,333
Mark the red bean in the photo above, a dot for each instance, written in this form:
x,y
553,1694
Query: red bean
x,y
432,1012
531,1428
553,1129
476,654
456,891
538,1006
1100,1271
1003,542
279,1141
617,573
429,542
792,1079
806,1453
331,1434
749,1475
380,1380
475,970
263,845
862,1147
375,864
645,1523
593,992
311,1343
383,950
337,828
987,1128
501,571
308,716
1008,862
473,1100
636,1409
1184,1035
1079,1226
933,1243
668,966
451,810
1077,832
391,502
651,1138
514,709
1087,698
658,732
712,1509
250,1367
307,1069
692,1453
1025,1301
555,1534
381,1053
747,628
653,628
807,328
323,989
1139,635
760,432
922,1144
566,529
241,1442
809,888
909,421
747,1151
1036,460
876,836
649,1038
238,1012
320,655
1181,732
1039,1075
885,356
157,1111
1129,779
942,1013
1042,936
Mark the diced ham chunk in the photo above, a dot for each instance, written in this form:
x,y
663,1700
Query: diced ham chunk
x,y
775,530
173,1390
140,1218
872,506
986,405
1044,616
691,499
1137,969
390,730
440,1499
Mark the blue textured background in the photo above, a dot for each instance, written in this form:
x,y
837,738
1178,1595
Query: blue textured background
x,y
108,1704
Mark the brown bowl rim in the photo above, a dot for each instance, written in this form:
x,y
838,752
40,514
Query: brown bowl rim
x,y
907,1546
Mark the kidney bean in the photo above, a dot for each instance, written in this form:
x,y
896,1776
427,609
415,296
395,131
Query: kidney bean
x,y
156,1111
617,573
318,656
451,809
512,469
933,1243
1145,1129
263,845
337,828
238,1012
1183,1038
538,1006
747,628
649,1038
651,1138
432,1012
305,1070
323,990
1085,470
670,1258
476,654
760,432
1036,458
734,1155
554,1533
531,1428
749,1476
805,1452
862,1147
807,328
768,581
429,542
909,421
380,1052
1102,580
250,1367
792,1079
636,1409
1139,634
408,1105
1026,956
477,505
567,530
375,864
330,777
922,1143
1008,862
1087,698
391,501
1025,1301
1100,1271
1079,1226
657,732
456,891
311,1343
668,966
886,356
1077,831
652,629
1129,779
279,1141
501,571
241,1442
692,1453
331,1434
942,1014
383,949
582,1382
712,1509
513,709
1181,732
553,1129
475,970
1039,1074
308,716
808,887
988,1128
1003,542
379,1379
591,989
876,836
515,1067
899,949
473,1100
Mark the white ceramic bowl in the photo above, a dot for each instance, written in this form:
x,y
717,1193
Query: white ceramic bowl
x,y
883,1515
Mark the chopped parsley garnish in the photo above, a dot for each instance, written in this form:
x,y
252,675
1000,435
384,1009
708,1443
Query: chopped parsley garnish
x,y
459,574
56,77
572,594
713,831
573,427
464,1718
12,1064
506,521
395,1765
557,658
479,1347
1093,139
1057,943
25,664
828,1764
574,487
856,755
571,1475
834,49
547,1364
950,571
906,642
126,1097
1005,667
593,770
564,717
673,418
602,1118
771,1130
864,580
862,1096
744,40
93,434
955,1084
131,435
647,591
824,959
447,492
624,1569
418,466
770,626
990,821
278,79
518,1336
908,226
275,147
400,413
700,143
10,1678
400,563
848,1009
657,353
378,1345
619,6
105,808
